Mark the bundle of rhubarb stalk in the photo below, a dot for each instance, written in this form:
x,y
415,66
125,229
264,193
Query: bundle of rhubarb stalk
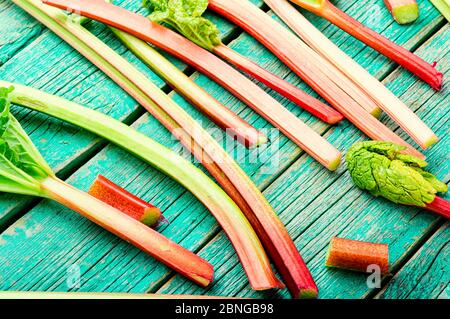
x,y
180,28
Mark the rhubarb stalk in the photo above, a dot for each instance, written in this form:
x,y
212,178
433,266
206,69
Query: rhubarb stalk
x,y
392,105
439,206
206,62
403,11
443,6
299,57
289,91
218,113
24,171
229,216
323,77
110,193
425,71
230,176
186,18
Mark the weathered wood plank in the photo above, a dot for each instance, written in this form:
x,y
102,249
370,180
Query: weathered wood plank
x,y
17,29
427,274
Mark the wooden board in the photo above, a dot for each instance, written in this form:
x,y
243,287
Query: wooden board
x,y
42,242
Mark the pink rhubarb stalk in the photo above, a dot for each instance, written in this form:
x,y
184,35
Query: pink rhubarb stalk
x,y
300,58
289,91
439,206
318,73
425,71
388,102
216,69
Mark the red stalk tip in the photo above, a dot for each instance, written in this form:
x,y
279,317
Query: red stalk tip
x,y
279,85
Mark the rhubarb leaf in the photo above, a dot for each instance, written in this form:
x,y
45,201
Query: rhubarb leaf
x,y
21,165
185,16
380,168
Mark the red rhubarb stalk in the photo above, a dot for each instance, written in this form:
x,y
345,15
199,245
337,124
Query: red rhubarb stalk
x,y
425,71
316,71
289,91
189,21
217,112
388,102
215,68
403,11
292,51
439,206
264,220
110,193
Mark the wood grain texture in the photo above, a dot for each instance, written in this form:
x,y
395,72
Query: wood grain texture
x,y
37,251
427,273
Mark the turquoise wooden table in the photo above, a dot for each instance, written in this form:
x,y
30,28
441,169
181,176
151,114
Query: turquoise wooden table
x,y
43,245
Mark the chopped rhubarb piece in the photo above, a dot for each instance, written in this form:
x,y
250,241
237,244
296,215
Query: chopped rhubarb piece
x,y
117,197
357,255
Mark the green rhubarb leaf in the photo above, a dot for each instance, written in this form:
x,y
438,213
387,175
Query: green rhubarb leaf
x,y
29,158
21,165
381,169
185,16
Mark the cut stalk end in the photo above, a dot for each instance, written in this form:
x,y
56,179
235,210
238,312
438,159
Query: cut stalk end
x,y
431,141
335,164
308,294
406,14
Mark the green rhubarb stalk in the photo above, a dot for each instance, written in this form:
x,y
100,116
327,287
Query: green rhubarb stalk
x,y
212,196
443,6
229,175
24,171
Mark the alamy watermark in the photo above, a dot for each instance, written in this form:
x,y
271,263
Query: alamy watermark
x,y
73,276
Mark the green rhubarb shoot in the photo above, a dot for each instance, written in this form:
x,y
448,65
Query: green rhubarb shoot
x,y
381,169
